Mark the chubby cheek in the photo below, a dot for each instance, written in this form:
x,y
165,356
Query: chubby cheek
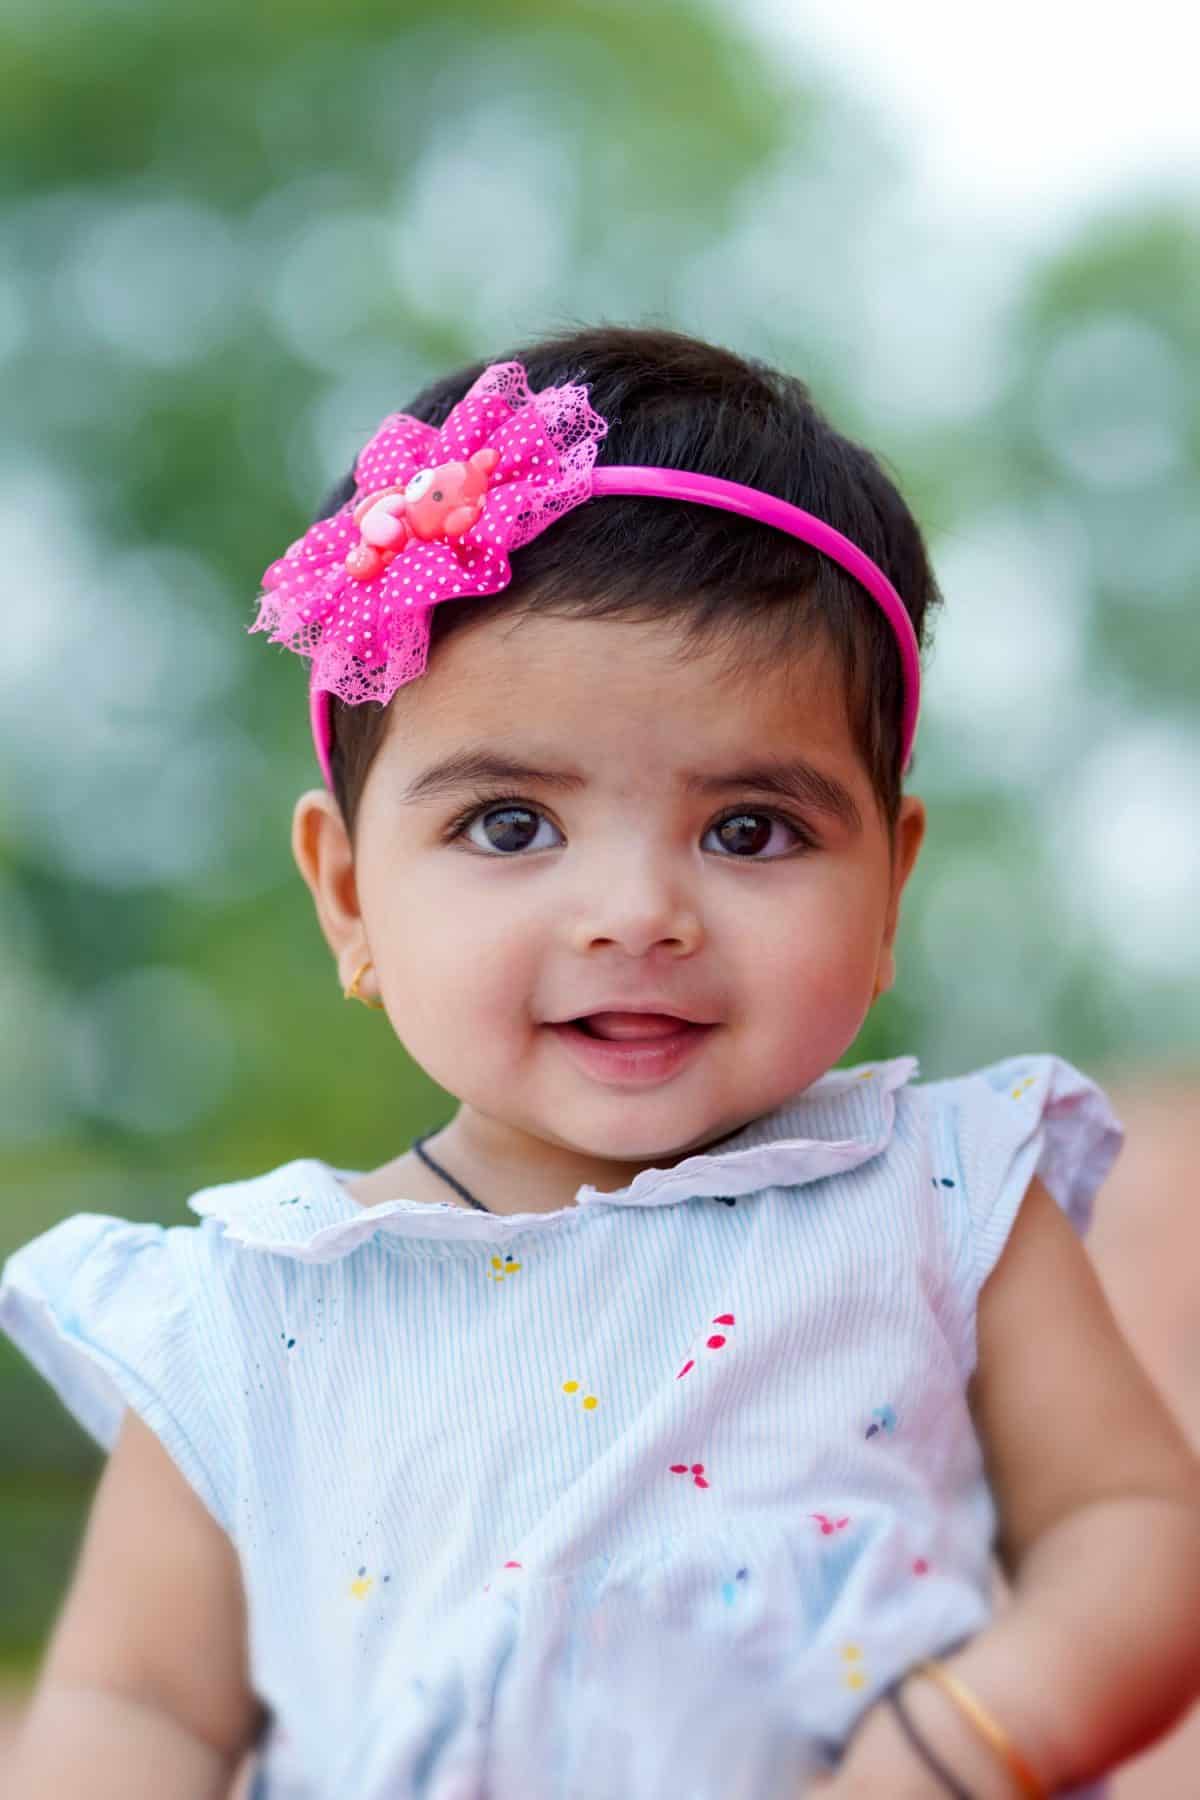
x,y
817,1005
814,973
459,985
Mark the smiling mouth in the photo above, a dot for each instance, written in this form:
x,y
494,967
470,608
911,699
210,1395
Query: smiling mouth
x,y
630,1050
625,1028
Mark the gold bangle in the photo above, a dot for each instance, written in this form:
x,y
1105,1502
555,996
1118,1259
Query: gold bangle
x,y
992,1733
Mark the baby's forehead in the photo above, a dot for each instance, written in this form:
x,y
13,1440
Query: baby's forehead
x,y
611,708
566,668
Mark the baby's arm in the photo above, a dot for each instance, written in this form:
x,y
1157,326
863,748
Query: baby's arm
x,y
144,1687
1098,1500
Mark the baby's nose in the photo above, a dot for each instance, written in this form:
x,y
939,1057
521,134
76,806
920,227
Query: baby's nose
x,y
638,925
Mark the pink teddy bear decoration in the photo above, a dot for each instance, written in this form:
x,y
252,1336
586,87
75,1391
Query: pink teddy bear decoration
x,y
437,503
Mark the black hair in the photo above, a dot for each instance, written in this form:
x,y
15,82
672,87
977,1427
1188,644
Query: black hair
x,y
731,583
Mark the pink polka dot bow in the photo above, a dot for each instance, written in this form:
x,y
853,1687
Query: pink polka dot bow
x,y
434,516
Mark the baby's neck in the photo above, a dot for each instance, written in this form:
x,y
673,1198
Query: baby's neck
x,y
510,1172
507,1171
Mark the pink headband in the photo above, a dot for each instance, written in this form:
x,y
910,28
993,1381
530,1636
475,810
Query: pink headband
x,y
436,513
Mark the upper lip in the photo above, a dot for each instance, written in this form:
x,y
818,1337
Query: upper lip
x,y
633,1006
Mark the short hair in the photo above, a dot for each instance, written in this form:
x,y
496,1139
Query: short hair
x,y
729,583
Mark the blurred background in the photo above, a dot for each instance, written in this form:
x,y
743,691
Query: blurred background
x,y
232,237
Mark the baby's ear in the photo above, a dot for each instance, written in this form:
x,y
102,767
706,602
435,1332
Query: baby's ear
x,y
907,838
325,858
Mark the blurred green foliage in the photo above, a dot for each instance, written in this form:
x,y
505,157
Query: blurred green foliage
x,y
233,237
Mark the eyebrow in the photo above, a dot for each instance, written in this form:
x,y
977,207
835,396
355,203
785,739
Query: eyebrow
x,y
793,780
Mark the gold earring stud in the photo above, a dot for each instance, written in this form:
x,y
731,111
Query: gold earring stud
x,y
352,993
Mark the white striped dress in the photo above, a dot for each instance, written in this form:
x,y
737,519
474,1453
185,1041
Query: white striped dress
x,y
615,1499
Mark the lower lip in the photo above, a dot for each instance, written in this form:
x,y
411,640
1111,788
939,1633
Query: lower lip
x,y
632,1062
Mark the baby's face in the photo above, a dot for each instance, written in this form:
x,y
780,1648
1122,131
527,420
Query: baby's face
x,y
614,881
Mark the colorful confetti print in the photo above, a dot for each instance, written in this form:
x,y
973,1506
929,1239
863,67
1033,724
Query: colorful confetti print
x,y
730,1589
883,1419
716,1340
695,1470
508,1565
590,1402
362,1584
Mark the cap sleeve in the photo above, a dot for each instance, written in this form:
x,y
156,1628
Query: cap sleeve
x,y
103,1309
1032,1115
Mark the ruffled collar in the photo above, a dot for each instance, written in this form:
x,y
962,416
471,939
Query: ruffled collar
x,y
302,1210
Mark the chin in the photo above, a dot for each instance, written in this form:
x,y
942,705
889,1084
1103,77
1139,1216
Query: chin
x,y
658,1147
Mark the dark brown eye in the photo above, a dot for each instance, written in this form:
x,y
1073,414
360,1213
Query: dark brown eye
x,y
745,833
437,493
515,829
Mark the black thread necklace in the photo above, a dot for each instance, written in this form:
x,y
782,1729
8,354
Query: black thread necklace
x,y
446,1175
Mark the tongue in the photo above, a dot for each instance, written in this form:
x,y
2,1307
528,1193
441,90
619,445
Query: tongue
x,y
633,1025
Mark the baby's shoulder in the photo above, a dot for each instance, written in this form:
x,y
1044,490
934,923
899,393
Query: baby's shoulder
x,y
165,1320
281,1207
984,1116
984,1135
1034,1072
